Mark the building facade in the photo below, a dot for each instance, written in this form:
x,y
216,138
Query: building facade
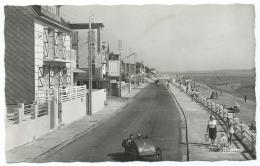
x,y
80,42
38,54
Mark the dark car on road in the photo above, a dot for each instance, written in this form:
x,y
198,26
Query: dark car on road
x,y
141,148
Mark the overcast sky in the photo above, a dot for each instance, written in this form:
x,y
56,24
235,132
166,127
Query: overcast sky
x,y
178,37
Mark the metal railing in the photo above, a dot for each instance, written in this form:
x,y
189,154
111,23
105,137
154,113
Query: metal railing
x,y
12,118
71,93
42,108
27,112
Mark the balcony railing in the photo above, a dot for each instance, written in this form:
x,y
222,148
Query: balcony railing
x,y
68,57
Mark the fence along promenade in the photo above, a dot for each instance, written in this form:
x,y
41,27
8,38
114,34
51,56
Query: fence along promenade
x,y
242,132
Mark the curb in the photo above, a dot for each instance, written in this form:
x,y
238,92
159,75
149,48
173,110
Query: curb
x,y
184,140
72,139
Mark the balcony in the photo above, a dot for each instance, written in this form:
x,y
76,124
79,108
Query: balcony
x,y
67,57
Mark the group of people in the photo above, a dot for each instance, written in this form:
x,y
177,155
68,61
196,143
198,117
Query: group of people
x,y
128,142
226,137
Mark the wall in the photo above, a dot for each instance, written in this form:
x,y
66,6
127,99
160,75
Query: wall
x,y
19,54
125,90
98,100
84,76
27,131
113,68
73,110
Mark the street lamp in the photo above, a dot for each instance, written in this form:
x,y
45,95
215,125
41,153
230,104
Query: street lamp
x,y
120,79
90,47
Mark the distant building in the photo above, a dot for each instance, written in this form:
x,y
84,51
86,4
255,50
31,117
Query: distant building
x,y
38,52
80,38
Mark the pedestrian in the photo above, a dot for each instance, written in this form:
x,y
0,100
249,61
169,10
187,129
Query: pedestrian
x,y
245,98
223,141
230,131
212,129
192,95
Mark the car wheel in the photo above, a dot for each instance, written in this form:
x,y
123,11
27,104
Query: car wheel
x,y
158,155
134,155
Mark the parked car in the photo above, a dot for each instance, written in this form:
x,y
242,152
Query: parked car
x,y
141,147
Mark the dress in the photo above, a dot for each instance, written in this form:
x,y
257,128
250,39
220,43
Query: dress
x,y
212,129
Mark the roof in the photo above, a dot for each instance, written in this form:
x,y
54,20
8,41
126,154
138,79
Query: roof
x,y
86,25
58,21
79,71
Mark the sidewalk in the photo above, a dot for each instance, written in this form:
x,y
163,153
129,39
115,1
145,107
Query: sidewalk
x,y
197,119
56,139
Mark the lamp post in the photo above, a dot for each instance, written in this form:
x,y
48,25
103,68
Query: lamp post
x,y
133,54
90,47
120,76
107,72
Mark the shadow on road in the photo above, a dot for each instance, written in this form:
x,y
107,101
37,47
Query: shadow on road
x,y
120,157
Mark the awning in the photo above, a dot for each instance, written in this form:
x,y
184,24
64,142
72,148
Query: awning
x,y
79,71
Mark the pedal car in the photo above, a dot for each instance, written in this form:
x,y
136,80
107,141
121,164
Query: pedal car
x,y
141,147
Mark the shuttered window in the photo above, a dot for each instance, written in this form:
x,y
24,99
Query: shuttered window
x,y
40,79
45,43
51,77
61,76
56,41
68,76
64,46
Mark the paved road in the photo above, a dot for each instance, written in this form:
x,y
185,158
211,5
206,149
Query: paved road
x,y
151,112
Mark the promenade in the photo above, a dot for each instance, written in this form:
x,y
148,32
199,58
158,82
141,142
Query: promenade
x,y
197,118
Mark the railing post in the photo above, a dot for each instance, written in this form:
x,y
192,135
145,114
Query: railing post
x,y
221,113
21,105
19,115
76,92
236,120
242,131
253,143
225,113
48,107
213,106
35,109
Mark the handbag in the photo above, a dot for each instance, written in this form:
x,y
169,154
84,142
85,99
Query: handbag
x,y
206,137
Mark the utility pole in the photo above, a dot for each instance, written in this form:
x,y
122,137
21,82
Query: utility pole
x,y
135,71
120,76
90,47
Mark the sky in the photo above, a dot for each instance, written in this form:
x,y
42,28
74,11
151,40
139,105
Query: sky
x,y
177,37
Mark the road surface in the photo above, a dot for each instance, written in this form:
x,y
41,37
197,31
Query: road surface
x,y
151,112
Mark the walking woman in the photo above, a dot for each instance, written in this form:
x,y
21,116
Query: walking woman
x,y
212,129
230,131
